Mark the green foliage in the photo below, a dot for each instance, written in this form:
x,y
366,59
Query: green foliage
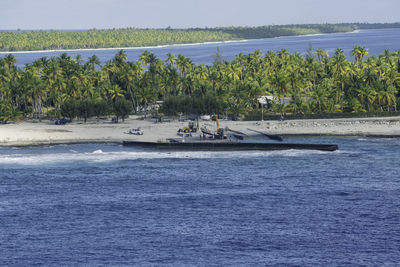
x,y
295,85
8,112
85,108
129,37
122,108
285,30
101,108
53,114
69,109
207,104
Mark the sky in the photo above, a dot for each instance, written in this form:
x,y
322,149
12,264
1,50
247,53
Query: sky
x,y
105,14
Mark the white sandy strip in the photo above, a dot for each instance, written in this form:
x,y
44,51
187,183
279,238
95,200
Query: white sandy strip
x,y
29,133
120,48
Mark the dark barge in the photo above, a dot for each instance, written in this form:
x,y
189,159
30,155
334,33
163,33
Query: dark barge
x,y
221,145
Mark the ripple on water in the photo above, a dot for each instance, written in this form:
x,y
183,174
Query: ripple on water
x,y
106,204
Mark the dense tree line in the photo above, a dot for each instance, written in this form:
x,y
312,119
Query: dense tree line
x,y
284,30
129,37
132,37
314,84
366,26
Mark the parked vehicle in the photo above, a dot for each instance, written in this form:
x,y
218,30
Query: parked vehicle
x,y
62,121
191,128
135,131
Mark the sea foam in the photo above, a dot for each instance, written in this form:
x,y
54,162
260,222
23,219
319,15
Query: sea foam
x,y
99,155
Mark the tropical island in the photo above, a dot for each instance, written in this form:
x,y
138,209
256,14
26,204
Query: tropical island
x,y
297,87
251,87
133,37
316,84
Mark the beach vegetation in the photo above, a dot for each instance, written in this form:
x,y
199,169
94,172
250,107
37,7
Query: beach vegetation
x,y
299,86
69,109
122,108
85,108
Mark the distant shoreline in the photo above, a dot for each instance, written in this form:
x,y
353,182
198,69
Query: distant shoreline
x,y
118,48
160,46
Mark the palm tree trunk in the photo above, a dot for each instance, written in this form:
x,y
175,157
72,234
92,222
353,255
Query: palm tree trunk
x,y
40,109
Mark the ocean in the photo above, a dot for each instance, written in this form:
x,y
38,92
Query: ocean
x,y
375,40
99,204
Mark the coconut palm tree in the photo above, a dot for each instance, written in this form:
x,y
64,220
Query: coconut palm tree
x,y
321,54
359,52
120,58
34,88
170,59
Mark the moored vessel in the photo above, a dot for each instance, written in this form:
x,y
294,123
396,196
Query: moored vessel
x,y
224,145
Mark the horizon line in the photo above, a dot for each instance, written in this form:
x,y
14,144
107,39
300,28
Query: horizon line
x,y
191,28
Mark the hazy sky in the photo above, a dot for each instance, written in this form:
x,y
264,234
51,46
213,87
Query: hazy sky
x,y
84,14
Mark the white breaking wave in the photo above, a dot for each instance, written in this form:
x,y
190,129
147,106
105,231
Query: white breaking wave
x,y
100,156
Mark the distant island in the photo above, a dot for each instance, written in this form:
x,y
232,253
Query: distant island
x,y
133,37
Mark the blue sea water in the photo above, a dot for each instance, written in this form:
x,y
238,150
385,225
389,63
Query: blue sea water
x,y
98,204
375,40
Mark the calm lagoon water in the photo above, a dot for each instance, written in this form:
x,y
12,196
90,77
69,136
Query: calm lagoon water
x,y
97,204
375,40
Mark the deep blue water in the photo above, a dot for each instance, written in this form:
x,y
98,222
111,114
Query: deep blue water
x,y
98,204
375,40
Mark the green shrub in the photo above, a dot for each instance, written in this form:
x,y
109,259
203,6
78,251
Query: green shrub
x,y
85,109
69,109
122,108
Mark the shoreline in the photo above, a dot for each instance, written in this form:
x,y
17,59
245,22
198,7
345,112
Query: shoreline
x,y
26,134
121,48
160,46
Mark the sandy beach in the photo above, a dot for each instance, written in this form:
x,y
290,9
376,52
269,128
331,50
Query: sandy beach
x,y
46,133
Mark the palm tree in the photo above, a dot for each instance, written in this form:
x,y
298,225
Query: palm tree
x,y
280,82
78,59
321,54
120,58
319,93
170,59
92,61
145,96
359,52
339,69
183,63
143,57
10,61
34,89
56,93
115,92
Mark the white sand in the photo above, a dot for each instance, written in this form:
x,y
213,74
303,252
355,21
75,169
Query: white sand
x,y
121,48
30,133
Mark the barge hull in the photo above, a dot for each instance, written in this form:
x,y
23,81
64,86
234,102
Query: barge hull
x,y
227,146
